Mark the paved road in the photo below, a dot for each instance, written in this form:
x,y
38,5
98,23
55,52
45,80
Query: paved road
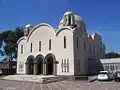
x,y
63,85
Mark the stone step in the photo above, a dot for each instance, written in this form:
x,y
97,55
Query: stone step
x,y
50,80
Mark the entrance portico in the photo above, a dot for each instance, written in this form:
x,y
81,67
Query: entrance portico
x,y
38,65
50,64
29,65
41,65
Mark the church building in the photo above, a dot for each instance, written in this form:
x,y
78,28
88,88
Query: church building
x,y
68,50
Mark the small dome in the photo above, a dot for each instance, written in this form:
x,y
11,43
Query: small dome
x,y
69,12
61,21
28,25
75,20
78,18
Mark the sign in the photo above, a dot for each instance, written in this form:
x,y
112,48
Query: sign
x,y
21,66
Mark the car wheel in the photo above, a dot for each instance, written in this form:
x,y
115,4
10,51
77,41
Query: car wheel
x,y
98,80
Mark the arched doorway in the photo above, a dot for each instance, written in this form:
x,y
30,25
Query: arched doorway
x,y
50,64
30,65
38,65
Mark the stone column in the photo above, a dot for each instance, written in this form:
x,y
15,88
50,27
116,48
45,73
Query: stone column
x,y
54,69
35,69
45,71
26,67
44,68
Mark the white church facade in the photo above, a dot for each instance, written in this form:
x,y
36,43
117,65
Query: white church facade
x,y
66,51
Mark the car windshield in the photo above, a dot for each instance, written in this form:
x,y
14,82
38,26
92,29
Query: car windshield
x,y
103,72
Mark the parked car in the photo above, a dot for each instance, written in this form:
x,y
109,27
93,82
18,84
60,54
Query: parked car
x,y
117,76
105,75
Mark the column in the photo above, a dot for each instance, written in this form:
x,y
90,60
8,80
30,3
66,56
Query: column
x,y
27,67
44,69
54,69
35,69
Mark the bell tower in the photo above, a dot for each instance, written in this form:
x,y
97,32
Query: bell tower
x,y
69,19
28,28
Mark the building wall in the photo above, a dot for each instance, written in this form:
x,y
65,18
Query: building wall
x,y
87,52
111,65
75,59
22,56
44,33
65,54
80,55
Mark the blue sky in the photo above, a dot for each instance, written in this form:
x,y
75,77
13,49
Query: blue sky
x,y
101,16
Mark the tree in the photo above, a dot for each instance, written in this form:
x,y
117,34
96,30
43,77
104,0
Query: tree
x,y
5,35
11,38
1,36
112,55
19,32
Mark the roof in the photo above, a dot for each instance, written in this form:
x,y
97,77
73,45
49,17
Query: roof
x,y
103,71
68,12
111,60
78,18
28,25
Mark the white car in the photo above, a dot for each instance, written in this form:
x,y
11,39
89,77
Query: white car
x,y
104,75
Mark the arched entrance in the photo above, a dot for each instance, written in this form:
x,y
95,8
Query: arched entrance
x,y
29,65
50,64
38,65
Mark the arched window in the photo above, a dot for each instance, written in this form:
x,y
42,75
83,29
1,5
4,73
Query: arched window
x,y
89,48
69,20
84,45
62,65
67,65
21,49
31,47
94,49
77,42
65,42
49,44
39,45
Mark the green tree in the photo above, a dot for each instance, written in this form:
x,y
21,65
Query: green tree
x,y
5,35
1,36
19,32
11,38
112,55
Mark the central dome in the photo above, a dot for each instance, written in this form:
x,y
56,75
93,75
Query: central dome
x,y
69,12
28,25
78,18
71,19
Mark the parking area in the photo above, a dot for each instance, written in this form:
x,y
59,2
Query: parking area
x,y
63,85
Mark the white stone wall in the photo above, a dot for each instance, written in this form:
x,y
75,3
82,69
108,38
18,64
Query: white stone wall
x,y
21,58
43,33
89,47
65,53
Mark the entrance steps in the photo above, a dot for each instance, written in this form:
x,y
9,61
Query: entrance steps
x,y
51,79
33,78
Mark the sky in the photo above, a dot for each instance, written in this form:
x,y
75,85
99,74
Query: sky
x,y
101,16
